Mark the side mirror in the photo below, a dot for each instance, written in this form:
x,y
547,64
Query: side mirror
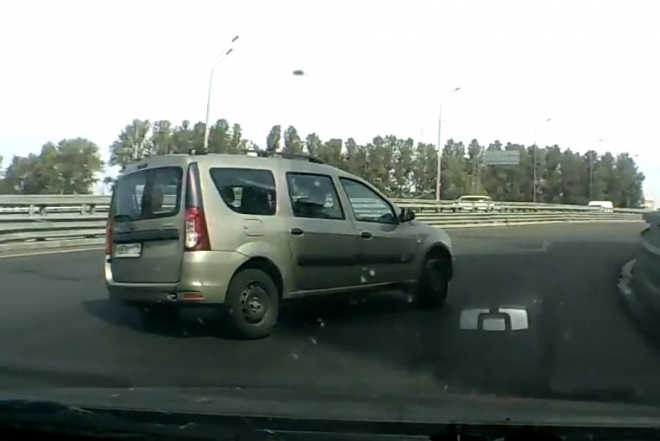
x,y
406,215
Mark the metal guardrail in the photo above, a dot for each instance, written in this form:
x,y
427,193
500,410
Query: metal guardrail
x,y
38,222
84,204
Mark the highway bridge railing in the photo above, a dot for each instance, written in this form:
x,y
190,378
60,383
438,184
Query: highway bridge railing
x,y
86,204
36,222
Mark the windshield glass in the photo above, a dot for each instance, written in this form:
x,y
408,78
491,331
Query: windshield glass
x,y
411,204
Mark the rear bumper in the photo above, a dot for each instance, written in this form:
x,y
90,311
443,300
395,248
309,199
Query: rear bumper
x,y
205,277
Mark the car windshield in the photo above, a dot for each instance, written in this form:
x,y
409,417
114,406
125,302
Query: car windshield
x,y
433,203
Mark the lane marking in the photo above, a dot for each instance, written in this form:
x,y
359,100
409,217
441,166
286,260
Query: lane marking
x,y
44,253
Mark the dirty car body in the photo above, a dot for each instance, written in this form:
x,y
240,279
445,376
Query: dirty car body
x,y
248,232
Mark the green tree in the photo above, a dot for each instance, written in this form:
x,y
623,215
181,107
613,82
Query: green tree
x,y
628,190
424,170
237,143
574,179
455,177
220,137
292,141
551,177
68,167
403,162
75,164
132,144
26,175
331,152
399,167
273,139
162,140
313,144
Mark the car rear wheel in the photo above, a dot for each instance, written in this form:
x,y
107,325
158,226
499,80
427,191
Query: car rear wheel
x,y
252,304
433,284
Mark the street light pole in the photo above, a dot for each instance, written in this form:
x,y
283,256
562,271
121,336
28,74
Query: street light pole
x,y
438,179
534,167
438,174
591,176
219,59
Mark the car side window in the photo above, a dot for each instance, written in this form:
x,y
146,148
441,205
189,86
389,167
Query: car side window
x,y
246,190
314,196
367,205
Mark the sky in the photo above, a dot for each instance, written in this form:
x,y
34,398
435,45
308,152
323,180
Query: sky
x,y
87,68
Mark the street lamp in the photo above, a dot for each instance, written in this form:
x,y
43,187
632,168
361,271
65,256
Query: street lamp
x,y
301,73
535,184
591,172
438,174
217,61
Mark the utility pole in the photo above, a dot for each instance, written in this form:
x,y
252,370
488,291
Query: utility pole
x,y
218,60
534,166
438,174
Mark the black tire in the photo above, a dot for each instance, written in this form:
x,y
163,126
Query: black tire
x,y
433,284
159,314
252,304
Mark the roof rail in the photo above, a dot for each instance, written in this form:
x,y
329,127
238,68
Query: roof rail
x,y
266,153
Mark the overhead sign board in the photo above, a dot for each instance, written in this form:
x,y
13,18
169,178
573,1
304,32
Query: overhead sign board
x,y
501,157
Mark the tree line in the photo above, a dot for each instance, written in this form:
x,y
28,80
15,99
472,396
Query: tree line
x,y
399,167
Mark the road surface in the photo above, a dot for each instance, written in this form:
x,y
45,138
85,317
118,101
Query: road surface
x,y
59,330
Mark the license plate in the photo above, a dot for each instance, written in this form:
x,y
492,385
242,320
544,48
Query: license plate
x,y
126,250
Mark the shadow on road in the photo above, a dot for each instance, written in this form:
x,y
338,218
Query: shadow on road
x,y
569,293
190,324
302,317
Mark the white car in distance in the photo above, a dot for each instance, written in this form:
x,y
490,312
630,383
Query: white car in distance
x,y
474,203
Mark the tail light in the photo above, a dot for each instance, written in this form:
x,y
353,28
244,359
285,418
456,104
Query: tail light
x,y
197,235
108,236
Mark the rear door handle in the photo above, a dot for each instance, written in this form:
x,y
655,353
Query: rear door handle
x,y
296,231
366,235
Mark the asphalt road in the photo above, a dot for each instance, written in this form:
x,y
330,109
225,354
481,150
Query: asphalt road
x,y
58,329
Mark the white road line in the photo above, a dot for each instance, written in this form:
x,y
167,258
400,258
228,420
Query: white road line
x,y
43,253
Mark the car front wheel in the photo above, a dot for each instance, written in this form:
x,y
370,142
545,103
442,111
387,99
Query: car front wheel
x,y
433,284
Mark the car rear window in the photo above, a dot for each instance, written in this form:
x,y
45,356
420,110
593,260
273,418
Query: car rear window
x,y
246,190
148,194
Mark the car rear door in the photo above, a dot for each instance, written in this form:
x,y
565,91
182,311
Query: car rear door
x,y
147,214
